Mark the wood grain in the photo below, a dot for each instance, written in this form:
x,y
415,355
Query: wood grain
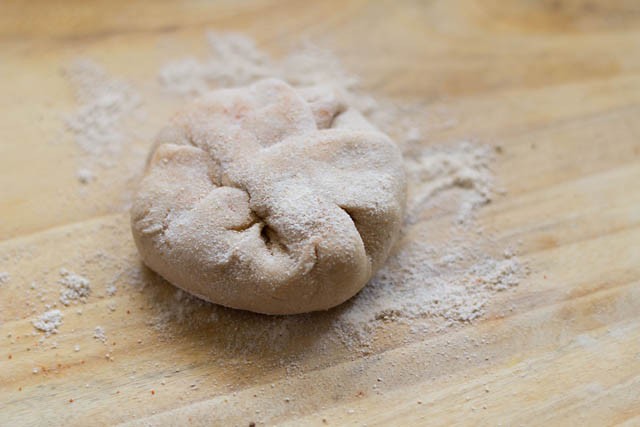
x,y
556,84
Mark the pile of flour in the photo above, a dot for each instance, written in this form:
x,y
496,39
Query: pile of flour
x,y
74,287
48,322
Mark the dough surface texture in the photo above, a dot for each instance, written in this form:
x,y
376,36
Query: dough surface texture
x,y
269,199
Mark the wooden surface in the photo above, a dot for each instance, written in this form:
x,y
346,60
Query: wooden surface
x,y
555,83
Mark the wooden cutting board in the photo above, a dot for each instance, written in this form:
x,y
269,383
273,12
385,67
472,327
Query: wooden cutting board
x,y
555,83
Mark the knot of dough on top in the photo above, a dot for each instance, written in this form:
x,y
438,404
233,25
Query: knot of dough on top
x,y
270,199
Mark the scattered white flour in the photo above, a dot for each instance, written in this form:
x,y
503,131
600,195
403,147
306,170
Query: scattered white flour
x,y
463,166
85,176
48,322
74,287
4,277
99,334
431,280
105,105
111,290
235,60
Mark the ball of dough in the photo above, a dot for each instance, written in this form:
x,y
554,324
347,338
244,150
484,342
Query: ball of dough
x,y
269,199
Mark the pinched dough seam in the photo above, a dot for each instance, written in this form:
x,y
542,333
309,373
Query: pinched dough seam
x,y
258,219
263,222
160,228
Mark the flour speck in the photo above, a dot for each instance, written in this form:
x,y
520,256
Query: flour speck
x,y
99,334
48,322
4,277
75,288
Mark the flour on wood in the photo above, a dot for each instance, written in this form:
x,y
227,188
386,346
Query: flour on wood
x,y
75,288
4,277
48,322
105,106
99,334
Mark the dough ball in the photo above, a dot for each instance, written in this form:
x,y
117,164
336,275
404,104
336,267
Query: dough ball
x,y
269,199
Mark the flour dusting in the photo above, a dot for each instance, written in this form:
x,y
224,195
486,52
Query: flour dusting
x,y
48,322
99,334
105,105
235,60
463,166
75,288
4,277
